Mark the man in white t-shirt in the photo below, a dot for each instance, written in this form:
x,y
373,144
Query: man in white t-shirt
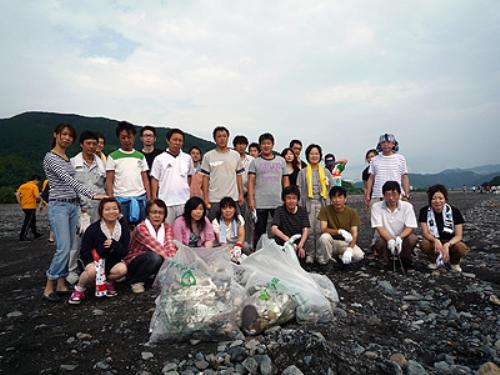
x,y
388,165
171,175
127,175
394,222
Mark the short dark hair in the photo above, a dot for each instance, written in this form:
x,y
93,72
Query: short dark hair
x,y
220,129
173,131
369,152
148,127
107,200
254,145
438,188
189,206
295,142
99,136
159,203
35,177
290,190
309,149
87,134
266,137
195,148
240,140
391,186
337,190
125,126
59,129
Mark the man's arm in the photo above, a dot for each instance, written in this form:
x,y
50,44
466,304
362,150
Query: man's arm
x,y
251,188
285,181
326,229
110,180
239,183
145,182
405,180
154,188
278,233
354,234
204,186
368,191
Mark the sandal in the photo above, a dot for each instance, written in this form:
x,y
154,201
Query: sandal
x,y
51,297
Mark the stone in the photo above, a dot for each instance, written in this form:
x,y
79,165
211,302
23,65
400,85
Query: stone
x,y
489,368
14,314
194,342
340,313
102,365
370,355
68,367
358,350
265,364
398,358
442,367
169,367
390,368
83,336
252,344
147,355
201,365
97,312
469,275
236,343
414,368
292,370
387,287
251,365
237,353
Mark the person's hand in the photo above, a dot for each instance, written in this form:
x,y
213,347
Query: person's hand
x,y
347,236
367,201
301,252
438,246
446,252
399,245
108,243
391,245
251,203
100,196
241,200
347,256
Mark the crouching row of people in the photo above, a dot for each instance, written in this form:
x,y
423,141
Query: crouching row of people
x,y
392,219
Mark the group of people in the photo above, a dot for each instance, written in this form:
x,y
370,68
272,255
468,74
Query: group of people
x,y
119,216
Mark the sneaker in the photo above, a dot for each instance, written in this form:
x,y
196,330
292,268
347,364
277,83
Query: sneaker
x,y
137,288
432,266
309,259
110,289
456,268
72,278
76,297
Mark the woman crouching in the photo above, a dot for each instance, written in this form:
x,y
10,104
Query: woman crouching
x,y
104,245
151,243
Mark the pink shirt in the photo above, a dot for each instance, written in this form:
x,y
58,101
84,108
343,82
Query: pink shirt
x,y
182,232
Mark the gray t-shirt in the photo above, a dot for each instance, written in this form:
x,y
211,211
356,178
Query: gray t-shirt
x,y
268,176
222,169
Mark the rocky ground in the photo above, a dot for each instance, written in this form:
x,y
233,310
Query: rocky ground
x,y
386,323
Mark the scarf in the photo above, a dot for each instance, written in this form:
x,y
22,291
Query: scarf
x,y
117,231
448,225
322,180
234,230
158,236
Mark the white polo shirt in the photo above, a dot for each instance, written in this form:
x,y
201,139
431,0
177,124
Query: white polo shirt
x,y
393,221
172,174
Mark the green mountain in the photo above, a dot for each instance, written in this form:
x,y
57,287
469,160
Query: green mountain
x,y
28,136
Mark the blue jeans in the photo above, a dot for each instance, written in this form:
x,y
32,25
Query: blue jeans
x,y
62,219
125,206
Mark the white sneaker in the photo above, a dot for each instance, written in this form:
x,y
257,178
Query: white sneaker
x,y
137,288
456,268
432,266
72,278
309,259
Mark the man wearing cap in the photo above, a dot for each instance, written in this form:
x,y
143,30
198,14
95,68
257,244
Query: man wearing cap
x,y
336,168
388,165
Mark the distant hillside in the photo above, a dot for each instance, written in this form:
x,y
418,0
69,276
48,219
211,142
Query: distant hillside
x,y
453,178
27,137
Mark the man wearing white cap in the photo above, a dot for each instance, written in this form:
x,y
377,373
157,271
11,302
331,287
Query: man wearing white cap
x,y
388,165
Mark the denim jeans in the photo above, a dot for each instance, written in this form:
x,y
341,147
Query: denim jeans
x,y
125,206
62,218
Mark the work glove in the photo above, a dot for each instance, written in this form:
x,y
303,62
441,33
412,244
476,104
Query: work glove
x,y
83,222
399,245
391,245
347,236
347,256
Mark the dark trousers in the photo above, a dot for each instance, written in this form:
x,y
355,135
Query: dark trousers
x,y
144,266
406,251
261,225
29,223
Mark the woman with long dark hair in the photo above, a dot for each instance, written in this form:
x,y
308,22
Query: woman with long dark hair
x,y
292,164
193,228
64,193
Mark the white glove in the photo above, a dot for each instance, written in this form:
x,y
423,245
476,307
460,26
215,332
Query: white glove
x,y
254,215
399,245
347,236
83,222
391,245
347,256
439,261
236,253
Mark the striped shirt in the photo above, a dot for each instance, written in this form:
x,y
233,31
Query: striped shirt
x,y
61,176
386,168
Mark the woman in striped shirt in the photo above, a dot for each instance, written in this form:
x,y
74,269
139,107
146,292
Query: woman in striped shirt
x,y
63,208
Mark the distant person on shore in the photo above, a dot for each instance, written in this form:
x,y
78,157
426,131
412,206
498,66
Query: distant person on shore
x,y
27,196
105,239
388,165
339,228
222,173
171,176
193,228
314,183
127,175
254,150
64,204
370,154
240,143
394,222
152,241
196,186
91,172
335,167
100,147
148,139
44,204
296,146
442,228
267,176
292,165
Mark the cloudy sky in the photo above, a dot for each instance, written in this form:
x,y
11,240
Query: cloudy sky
x,y
337,73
